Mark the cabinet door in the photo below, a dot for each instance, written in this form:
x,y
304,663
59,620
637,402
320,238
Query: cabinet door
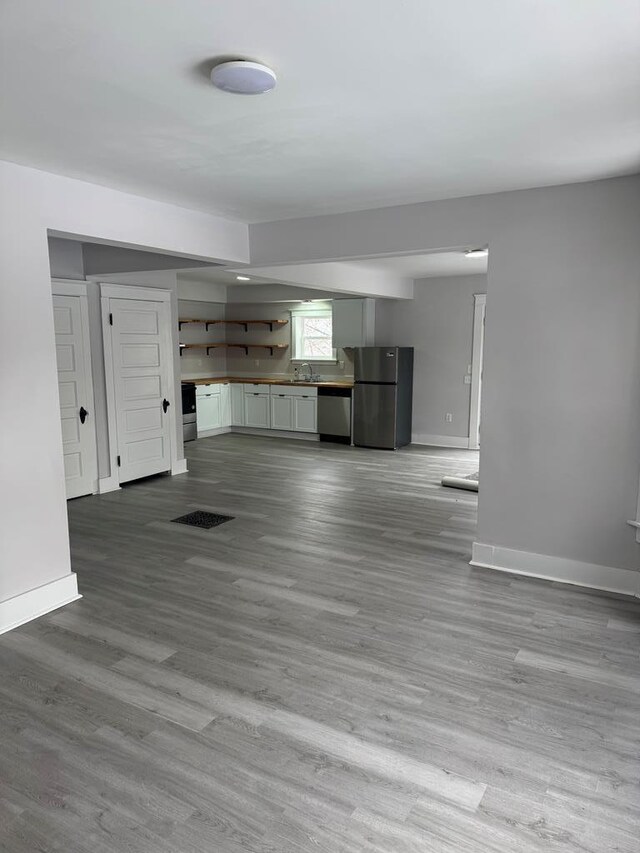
x,y
353,322
208,412
305,414
256,410
237,405
281,411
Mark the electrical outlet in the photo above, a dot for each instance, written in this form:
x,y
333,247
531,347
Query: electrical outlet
x,y
448,417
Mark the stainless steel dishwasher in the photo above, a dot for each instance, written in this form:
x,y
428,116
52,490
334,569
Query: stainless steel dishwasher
x,y
334,414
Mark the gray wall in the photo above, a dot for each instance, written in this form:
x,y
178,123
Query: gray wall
x,y
438,323
65,258
101,259
561,398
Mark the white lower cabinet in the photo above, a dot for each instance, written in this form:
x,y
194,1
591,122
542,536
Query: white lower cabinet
x,y
257,410
281,411
208,408
279,407
294,408
305,414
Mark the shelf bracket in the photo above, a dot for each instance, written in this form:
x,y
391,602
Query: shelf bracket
x,y
208,348
180,328
271,350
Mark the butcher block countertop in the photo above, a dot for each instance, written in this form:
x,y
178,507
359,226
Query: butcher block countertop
x,y
251,380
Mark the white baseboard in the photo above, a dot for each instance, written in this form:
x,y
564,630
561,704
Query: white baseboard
x,y
36,602
459,441
207,433
560,569
108,484
179,467
276,433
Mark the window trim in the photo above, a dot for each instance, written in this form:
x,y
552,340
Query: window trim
x,y
298,314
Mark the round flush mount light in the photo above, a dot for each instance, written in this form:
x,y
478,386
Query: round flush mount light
x,y
243,77
242,278
477,253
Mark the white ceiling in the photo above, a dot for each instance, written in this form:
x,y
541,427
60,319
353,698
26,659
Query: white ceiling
x,y
379,101
215,275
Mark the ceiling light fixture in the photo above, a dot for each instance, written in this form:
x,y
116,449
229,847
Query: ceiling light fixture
x,y
477,253
243,77
243,278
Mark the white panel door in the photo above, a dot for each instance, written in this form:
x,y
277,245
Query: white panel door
x,y
256,410
305,414
208,411
281,411
141,356
74,381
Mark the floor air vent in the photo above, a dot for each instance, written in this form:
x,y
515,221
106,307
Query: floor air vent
x,y
200,518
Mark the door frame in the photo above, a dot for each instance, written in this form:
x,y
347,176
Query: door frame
x,y
69,287
145,294
479,311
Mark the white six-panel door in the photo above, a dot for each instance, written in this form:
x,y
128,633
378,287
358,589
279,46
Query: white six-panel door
x,y
142,393
76,398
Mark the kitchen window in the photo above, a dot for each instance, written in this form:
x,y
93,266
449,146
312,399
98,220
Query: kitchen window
x,y
312,334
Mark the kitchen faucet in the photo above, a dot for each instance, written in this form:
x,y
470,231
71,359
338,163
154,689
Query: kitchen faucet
x,y
311,376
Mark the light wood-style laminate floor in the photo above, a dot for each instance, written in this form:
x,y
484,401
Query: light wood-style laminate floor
x,y
324,673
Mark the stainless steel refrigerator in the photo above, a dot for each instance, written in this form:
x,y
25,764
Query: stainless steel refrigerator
x,y
383,395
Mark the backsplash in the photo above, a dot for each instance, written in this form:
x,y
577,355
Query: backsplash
x,y
195,364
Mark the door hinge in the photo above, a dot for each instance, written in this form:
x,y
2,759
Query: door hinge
x,y
118,460
111,319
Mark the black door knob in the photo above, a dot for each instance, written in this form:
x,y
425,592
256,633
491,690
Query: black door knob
x,y
165,405
83,414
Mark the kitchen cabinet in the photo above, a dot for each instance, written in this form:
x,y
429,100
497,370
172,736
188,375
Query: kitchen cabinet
x,y
257,409
294,407
282,411
208,407
353,323
237,404
305,413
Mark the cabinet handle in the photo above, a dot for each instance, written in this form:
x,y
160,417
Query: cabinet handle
x,y
280,395
255,394
304,396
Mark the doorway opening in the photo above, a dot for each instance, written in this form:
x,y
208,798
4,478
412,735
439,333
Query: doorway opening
x,y
477,358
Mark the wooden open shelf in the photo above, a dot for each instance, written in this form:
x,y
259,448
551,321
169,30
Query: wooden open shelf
x,y
273,324
245,347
